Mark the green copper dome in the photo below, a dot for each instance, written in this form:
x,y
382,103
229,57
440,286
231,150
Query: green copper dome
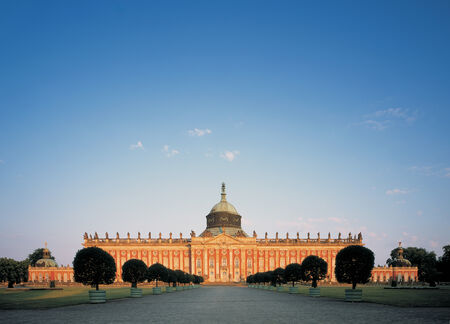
x,y
46,261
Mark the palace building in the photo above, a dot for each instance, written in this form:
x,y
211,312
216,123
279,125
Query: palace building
x,y
224,252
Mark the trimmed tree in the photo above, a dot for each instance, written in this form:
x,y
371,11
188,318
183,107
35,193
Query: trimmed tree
x,y
134,271
180,276
293,273
268,278
171,277
157,272
257,277
278,276
314,269
13,272
93,266
354,265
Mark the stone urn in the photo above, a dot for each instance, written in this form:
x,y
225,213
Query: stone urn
x,y
314,292
293,290
353,295
97,296
135,292
179,288
156,291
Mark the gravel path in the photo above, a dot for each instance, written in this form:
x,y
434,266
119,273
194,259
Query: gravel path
x,y
229,305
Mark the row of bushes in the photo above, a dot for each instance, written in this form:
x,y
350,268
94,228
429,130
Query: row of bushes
x,y
93,266
354,265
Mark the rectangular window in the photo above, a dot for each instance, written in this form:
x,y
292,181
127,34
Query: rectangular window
x,y
224,262
211,263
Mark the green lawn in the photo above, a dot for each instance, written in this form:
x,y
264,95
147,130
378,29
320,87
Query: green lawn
x,y
396,297
31,299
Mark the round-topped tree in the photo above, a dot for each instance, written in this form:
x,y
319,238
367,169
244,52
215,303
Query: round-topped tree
x,y
223,218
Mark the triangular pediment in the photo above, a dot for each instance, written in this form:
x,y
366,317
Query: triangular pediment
x,y
223,239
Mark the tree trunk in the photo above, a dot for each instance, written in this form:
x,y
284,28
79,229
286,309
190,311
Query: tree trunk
x,y
156,283
96,286
314,283
10,284
134,284
353,285
293,283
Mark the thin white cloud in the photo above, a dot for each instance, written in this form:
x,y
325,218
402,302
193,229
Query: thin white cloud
x,y
337,220
396,191
170,152
229,155
447,172
137,146
399,113
383,119
2,162
423,170
376,125
429,170
199,132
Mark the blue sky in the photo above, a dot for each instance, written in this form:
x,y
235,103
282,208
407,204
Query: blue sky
x,y
120,116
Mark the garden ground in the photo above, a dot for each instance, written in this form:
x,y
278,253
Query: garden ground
x,y
228,305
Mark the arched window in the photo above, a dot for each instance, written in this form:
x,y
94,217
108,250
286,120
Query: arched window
x,y
261,264
199,263
249,263
236,262
224,262
211,263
